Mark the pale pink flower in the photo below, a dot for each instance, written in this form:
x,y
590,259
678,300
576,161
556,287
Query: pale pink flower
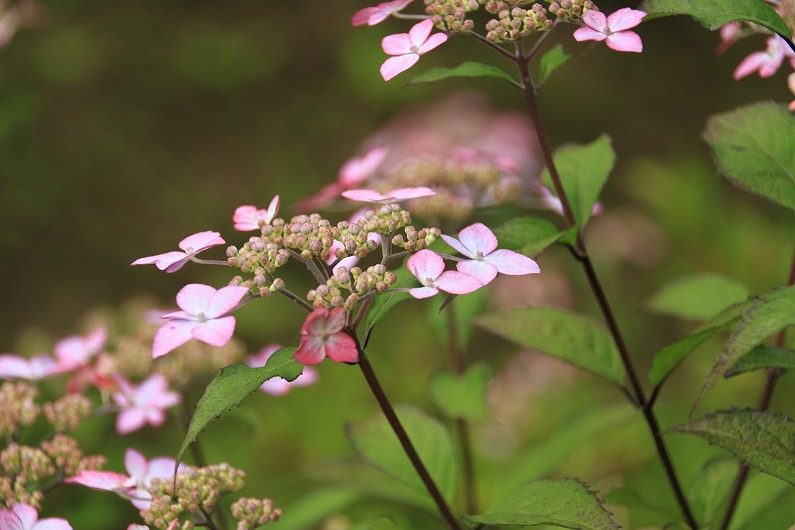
x,y
173,526
190,246
278,386
612,29
479,243
25,517
766,62
322,336
397,195
406,48
203,317
248,217
142,404
31,369
729,35
75,352
428,267
556,205
358,169
378,13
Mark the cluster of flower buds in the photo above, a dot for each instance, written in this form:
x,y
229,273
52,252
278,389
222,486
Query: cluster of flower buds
x,y
18,406
451,15
416,240
570,10
513,23
252,513
66,413
358,282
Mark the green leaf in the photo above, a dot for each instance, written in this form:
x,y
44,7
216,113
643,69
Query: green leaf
x,y
231,385
709,488
464,395
573,338
528,235
382,523
640,509
463,309
465,69
383,303
698,297
583,171
764,440
566,503
375,441
551,61
762,357
715,13
313,508
761,492
754,147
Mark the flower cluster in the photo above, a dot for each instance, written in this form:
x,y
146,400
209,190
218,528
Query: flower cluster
x,y
515,23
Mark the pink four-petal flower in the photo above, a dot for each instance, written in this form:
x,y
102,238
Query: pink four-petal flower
x,y
376,14
396,195
613,29
479,243
406,48
766,62
75,352
248,217
428,267
190,246
278,386
322,336
203,317
142,404
25,517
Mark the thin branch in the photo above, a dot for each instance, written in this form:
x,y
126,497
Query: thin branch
x,y
499,49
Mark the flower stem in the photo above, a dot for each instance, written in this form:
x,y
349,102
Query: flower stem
x,y
403,437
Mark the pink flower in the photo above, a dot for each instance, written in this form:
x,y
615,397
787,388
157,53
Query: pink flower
x,y
766,62
25,517
191,245
406,48
729,35
479,243
277,386
75,352
400,194
248,218
428,267
556,205
377,14
791,83
612,29
322,336
142,404
359,169
31,369
202,317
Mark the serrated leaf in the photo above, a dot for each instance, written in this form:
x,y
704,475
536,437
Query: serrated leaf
x,y
375,441
232,385
583,171
715,13
465,69
764,440
464,395
563,503
762,357
698,297
463,309
383,303
551,61
754,147
573,338
528,235
311,509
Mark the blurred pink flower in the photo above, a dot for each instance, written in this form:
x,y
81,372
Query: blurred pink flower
x,y
248,217
766,62
191,245
428,267
554,203
478,242
322,336
729,35
203,317
278,386
358,169
376,14
400,194
75,352
142,404
31,369
406,48
612,29
791,83
25,517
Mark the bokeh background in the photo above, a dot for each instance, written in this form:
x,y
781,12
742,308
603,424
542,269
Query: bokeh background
x,y
126,125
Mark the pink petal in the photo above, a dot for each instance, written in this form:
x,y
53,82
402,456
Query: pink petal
x,y
455,282
275,386
130,420
583,34
397,65
168,261
216,332
423,292
150,388
171,336
135,464
138,527
141,499
52,523
624,19
456,244
273,209
308,377
419,32
433,41
9,520
357,170
363,195
224,300
512,263
315,322
27,514
625,41
335,320
425,265
480,270
14,366
260,359
341,348
397,44
750,64
154,417
596,20
201,241
362,17
160,467
310,351
194,298
348,263
402,194
246,218
478,238
100,480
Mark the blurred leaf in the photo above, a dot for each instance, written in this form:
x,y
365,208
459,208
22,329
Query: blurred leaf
x,y
760,493
465,69
551,61
383,303
763,357
754,147
699,296
231,385
715,13
382,523
528,235
464,395
313,508
709,489
764,440
375,441
639,508
566,503
583,170
573,338
463,309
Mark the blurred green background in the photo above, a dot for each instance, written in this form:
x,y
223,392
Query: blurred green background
x,y
125,126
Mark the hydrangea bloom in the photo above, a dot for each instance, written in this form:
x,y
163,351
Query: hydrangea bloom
x,y
203,317
428,267
613,29
142,404
278,386
479,243
25,517
376,14
31,369
248,217
322,336
190,246
400,194
766,62
406,48
75,352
